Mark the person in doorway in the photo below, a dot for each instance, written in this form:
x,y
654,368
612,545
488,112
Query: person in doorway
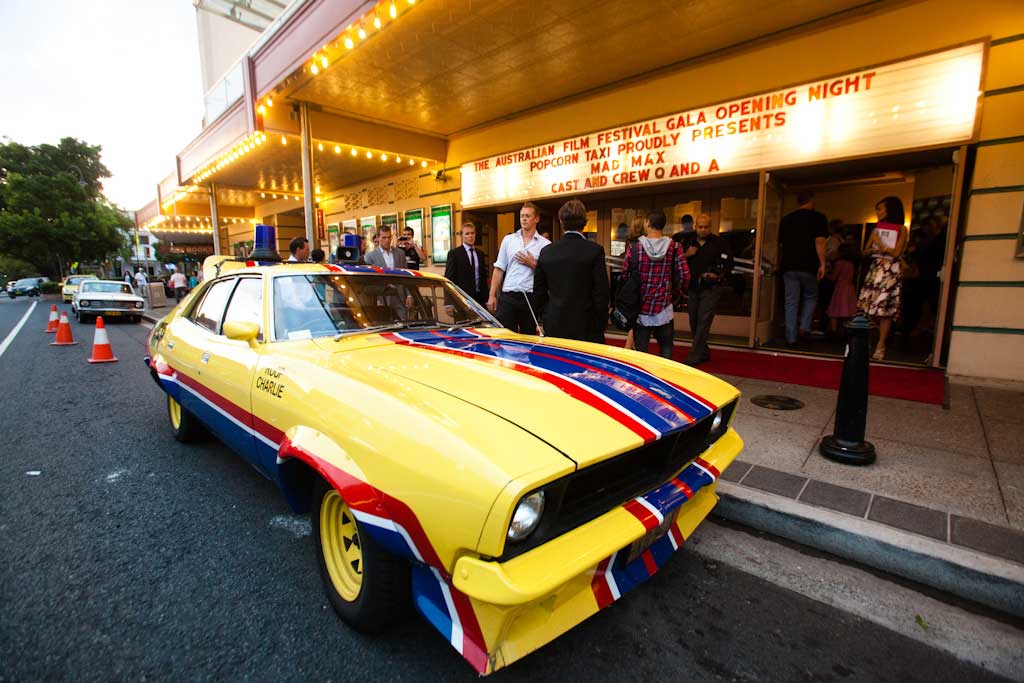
x,y
843,303
513,274
179,284
140,283
710,261
571,281
384,256
880,295
414,254
193,280
467,266
686,233
299,248
637,229
663,270
802,236
317,256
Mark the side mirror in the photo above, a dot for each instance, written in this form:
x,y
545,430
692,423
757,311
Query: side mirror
x,y
241,331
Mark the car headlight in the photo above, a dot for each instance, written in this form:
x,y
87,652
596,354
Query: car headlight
x,y
720,421
139,304
84,304
526,516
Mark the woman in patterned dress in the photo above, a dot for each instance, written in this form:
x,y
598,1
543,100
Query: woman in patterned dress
x,y
880,295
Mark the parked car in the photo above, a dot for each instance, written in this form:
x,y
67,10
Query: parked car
x,y
70,285
512,486
109,298
26,286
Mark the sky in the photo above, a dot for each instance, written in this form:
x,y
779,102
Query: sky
x,y
122,74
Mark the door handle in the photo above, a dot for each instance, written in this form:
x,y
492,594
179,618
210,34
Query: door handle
x,y
205,358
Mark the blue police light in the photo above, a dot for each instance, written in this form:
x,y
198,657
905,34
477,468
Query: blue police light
x,y
265,244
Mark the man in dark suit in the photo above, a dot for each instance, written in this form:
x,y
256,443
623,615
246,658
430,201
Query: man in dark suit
x,y
385,256
571,281
467,265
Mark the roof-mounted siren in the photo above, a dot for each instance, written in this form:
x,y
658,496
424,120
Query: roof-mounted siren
x,y
265,244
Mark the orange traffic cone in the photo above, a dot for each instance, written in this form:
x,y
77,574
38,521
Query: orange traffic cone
x,y
101,351
52,325
64,337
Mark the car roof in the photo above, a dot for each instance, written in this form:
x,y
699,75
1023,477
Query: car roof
x,y
109,282
292,268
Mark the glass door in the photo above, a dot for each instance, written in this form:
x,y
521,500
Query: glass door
x,y
766,255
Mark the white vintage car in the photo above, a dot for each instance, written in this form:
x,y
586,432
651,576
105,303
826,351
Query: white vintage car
x,y
109,298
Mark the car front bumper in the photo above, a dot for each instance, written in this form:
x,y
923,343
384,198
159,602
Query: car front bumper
x,y
110,311
521,604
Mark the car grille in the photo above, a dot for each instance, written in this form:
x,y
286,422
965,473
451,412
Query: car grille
x,y
116,305
590,492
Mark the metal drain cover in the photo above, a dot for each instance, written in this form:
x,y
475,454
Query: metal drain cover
x,y
775,402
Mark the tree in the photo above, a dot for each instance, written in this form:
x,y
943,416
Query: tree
x,y
52,208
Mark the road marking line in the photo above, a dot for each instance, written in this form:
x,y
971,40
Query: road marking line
x,y
16,330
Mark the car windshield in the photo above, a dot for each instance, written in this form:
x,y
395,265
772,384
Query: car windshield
x,y
27,281
307,306
106,288
76,280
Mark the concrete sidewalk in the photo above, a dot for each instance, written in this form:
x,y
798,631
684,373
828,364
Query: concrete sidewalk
x,y
942,505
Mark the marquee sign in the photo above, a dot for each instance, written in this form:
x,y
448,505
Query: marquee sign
x,y
922,102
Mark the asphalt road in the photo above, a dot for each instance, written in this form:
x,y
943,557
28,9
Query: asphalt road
x,y
126,555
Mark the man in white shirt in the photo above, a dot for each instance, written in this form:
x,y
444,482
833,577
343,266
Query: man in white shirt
x,y
384,256
513,274
299,247
180,285
140,282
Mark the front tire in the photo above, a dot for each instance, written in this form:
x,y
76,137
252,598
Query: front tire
x,y
184,425
367,586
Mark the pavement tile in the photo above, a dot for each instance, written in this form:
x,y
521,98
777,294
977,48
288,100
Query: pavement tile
x,y
1000,404
1011,484
932,477
957,429
736,470
774,481
988,538
920,520
840,498
774,443
819,404
1005,440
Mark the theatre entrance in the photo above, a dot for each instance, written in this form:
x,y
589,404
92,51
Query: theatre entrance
x,y
847,194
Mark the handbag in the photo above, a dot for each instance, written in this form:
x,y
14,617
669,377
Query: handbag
x,y
627,298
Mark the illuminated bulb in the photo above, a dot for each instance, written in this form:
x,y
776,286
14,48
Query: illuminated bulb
x,y
411,162
263,195
398,160
284,140
270,102
324,62
261,109
353,151
376,22
383,157
337,149
314,69
393,11
348,43
369,154
423,164
362,33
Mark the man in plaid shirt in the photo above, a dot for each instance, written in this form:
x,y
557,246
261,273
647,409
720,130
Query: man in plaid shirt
x,y
663,274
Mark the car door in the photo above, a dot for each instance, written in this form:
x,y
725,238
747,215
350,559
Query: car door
x,y
187,341
228,368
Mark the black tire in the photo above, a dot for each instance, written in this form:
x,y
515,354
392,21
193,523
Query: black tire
x,y
187,428
84,318
384,595
136,319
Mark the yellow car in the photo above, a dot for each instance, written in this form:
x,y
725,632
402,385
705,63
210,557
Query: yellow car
x,y
510,486
70,286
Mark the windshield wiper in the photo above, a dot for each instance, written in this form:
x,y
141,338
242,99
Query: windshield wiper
x,y
402,325
467,323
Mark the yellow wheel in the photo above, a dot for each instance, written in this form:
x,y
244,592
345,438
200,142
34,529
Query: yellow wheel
x,y
183,424
343,553
367,586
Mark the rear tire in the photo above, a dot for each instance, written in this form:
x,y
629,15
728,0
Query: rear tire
x,y
184,425
84,318
367,586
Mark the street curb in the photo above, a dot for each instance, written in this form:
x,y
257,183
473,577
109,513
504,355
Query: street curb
x,y
984,579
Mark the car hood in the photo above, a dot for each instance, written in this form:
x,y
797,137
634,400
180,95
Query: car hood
x,y
108,296
589,401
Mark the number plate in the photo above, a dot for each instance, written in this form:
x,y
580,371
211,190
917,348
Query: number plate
x,y
112,313
642,544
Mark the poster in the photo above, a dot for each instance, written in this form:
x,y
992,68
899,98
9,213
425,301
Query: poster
x,y
350,226
414,220
333,239
440,232
367,227
390,219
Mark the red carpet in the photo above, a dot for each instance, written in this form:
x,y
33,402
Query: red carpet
x,y
924,385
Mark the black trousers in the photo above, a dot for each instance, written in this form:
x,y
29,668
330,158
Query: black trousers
x,y
701,304
663,334
514,313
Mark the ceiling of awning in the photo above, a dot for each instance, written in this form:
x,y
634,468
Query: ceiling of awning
x,y
451,65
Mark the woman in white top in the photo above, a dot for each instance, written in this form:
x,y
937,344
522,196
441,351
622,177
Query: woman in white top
x,y
880,295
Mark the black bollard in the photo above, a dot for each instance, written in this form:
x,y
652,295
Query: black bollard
x,y
847,444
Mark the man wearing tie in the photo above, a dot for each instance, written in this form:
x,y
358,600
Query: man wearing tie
x,y
467,265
